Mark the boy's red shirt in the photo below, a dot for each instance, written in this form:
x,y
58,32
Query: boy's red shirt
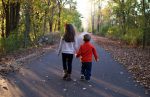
x,y
86,51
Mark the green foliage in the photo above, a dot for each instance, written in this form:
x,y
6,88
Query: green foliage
x,y
103,30
114,32
12,43
133,36
43,17
127,20
72,17
53,37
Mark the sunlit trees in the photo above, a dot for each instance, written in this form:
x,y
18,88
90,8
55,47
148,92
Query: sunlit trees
x,y
10,13
24,21
125,19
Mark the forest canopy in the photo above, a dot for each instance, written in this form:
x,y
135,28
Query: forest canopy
x,y
24,21
128,20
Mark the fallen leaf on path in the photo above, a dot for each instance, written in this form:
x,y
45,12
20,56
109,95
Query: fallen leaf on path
x,y
84,88
64,90
5,88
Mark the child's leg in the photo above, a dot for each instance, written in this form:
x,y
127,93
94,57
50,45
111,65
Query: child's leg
x,y
88,70
82,71
83,68
69,64
64,59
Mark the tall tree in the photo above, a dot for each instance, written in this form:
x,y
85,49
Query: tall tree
x,y
61,4
145,25
27,9
52,12
2,25
11,11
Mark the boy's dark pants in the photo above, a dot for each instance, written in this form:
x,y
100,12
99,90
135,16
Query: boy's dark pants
x,y
67,62
86,69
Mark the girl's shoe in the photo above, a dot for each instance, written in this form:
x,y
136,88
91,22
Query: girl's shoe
x,y
68,77
65,75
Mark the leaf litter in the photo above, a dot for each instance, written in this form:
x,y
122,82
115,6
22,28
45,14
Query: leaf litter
x,y
135,59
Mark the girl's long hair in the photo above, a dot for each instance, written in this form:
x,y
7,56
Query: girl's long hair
x,y
69,35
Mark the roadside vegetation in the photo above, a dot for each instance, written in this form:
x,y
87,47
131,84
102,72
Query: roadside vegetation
x,y
126,20
25,23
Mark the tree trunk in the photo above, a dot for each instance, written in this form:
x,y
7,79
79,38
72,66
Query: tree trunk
x,y
123,18
2,26
7,20
34,27
50,26
144,28
27,25
17,15
12,16
93,20
6,11
44,25
99,10
55,26
59,15
11,11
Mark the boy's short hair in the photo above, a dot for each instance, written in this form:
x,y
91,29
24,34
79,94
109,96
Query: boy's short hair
x,y
87,37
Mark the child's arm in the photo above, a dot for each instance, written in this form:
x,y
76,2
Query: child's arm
x,y
60,47
78,53
95,54
76,45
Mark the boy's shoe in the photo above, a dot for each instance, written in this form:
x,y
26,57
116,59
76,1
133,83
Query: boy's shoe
x,y
88,81
82,77
68,77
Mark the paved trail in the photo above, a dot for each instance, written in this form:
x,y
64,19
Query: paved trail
x,y
42,77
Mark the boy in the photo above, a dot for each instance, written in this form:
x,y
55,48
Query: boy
x,y
85,53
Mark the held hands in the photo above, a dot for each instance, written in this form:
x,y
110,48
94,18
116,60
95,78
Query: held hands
x,y
75,55
96,60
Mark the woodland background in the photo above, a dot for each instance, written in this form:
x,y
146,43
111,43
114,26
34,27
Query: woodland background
x,y
24,22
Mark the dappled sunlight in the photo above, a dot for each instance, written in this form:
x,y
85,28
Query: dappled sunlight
x,y
55,72
39,85
101,92
108,86
14,90
43,78
28,73
115,88
40,88
34,83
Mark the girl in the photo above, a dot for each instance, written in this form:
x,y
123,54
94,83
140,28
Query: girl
x,y
67,47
